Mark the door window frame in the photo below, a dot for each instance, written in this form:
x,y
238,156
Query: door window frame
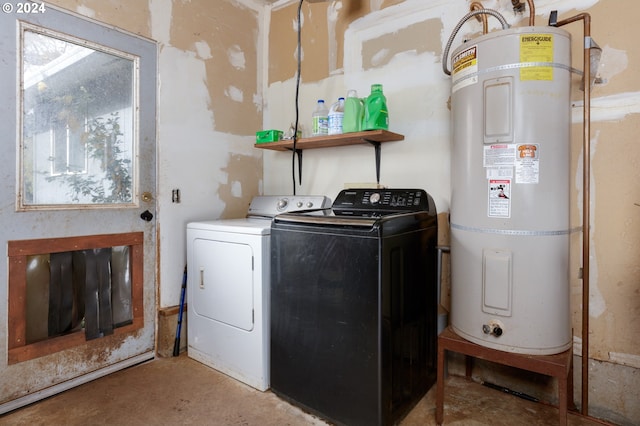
x,y
135,131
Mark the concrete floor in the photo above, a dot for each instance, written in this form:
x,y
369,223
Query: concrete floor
x,y
181,391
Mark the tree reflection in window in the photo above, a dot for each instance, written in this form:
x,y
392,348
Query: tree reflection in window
x,y
78,122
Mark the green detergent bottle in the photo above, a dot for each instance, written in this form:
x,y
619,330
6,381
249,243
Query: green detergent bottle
x,y
353,113
376,115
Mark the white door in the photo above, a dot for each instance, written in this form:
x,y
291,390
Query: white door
x,y
77,181
225,281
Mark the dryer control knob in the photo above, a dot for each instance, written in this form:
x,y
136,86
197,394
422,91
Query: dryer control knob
x,y
374,198
282,203
310,204
299,204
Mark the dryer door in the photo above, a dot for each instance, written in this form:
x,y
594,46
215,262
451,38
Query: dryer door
x,y
224,284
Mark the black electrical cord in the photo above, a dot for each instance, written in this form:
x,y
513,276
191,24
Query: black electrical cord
x,y
295,130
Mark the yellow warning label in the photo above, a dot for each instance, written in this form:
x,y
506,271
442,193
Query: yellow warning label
x,y
536,48
465,60
465,69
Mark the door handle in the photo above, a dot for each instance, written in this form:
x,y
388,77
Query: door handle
x,y
146,216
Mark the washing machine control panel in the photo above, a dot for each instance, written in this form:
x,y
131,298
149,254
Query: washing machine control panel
x,y
379,202
271,205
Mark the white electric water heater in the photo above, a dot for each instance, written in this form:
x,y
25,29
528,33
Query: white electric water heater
x,y
510,224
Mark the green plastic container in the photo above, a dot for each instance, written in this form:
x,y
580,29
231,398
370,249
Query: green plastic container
x,y
264,136
376,115
353,113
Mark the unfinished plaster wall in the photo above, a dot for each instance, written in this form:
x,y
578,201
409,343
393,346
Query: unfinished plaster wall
x,y
131,17
225,36
615,178
399,44
326,171
210,108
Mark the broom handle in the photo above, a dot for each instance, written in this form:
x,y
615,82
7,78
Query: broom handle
x,y
176,344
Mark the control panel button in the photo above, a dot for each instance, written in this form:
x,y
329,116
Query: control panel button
x,y
283,203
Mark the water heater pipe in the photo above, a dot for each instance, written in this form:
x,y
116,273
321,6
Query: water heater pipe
x,y
532,13
478,6
586,199
465,18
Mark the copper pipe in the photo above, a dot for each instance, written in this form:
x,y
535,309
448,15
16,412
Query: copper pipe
x,y
532,13
586,173
476,5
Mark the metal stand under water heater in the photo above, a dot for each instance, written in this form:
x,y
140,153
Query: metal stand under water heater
x,y
510,225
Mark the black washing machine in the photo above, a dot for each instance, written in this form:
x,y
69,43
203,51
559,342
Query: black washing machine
x,y
353,305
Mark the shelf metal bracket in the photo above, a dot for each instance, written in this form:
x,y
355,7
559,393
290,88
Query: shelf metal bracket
x,y
299,155
376,146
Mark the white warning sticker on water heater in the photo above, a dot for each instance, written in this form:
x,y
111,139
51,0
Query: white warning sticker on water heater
x,y
499,155
499,204
528,163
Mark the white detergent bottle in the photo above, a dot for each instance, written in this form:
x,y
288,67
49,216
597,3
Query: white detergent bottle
x,y
336,115
320,119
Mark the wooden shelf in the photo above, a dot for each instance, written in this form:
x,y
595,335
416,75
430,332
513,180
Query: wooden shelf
x,y
369,137
357,138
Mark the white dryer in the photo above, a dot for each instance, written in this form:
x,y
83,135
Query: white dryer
x,y
228,288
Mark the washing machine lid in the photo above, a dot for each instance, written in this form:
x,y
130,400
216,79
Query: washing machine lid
x,y
252,226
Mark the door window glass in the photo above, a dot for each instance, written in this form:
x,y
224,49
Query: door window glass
x,y
78,138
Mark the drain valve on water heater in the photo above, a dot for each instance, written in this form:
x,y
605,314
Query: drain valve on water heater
x,y
494,327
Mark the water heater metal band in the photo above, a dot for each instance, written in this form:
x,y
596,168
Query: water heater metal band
x,y
516,231
522,65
